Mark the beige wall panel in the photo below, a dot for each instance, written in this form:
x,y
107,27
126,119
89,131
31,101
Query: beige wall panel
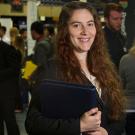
x,y
50,11
5,10
43,10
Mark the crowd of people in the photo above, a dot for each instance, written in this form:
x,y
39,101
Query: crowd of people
x,y
13,57
81,52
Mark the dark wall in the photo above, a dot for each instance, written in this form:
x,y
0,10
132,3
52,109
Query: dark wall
x,y
130,23
107,1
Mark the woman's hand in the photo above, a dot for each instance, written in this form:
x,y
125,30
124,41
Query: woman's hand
x,y
91,120
100,131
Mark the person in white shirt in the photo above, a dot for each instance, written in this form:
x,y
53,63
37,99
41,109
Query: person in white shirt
x,y
3,36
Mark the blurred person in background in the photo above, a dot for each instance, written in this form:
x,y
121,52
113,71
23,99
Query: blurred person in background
x,y
50,36
42,49
19,45
116,41
9,74
23,34
49,32
13,32
127,73
3,36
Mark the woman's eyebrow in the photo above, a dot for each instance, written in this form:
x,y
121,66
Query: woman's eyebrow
x,y
80,22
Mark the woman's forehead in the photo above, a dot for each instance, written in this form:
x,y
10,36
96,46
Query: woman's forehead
x,y
81,15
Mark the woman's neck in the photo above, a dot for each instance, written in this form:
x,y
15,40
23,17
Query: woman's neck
x,y
82,58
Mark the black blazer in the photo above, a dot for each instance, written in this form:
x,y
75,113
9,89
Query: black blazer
x,y
36,124
9,70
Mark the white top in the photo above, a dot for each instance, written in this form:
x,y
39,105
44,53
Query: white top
x,y
94,81
5,39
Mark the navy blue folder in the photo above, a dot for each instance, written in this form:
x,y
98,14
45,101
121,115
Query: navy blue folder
x,y
66,100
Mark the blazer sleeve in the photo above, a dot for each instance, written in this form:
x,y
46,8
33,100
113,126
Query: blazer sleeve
x,y
113,127
36,123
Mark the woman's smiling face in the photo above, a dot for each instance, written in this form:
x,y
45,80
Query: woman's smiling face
x,y
82,30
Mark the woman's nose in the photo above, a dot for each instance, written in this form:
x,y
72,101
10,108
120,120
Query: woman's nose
x,y
83,29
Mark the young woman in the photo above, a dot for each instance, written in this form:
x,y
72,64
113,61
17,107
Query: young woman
x,y
81,58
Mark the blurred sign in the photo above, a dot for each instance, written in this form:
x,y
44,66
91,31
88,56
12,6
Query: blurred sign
x,y
16,5
124,3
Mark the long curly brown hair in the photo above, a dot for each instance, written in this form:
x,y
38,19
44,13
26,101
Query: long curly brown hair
x,y
99,63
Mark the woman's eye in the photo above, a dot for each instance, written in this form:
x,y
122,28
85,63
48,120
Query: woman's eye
x,y
76,25
91,24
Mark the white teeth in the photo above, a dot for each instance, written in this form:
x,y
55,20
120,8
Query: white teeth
x,y
84,39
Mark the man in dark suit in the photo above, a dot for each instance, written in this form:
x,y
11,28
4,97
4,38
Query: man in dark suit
x,y
116,41
9,73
